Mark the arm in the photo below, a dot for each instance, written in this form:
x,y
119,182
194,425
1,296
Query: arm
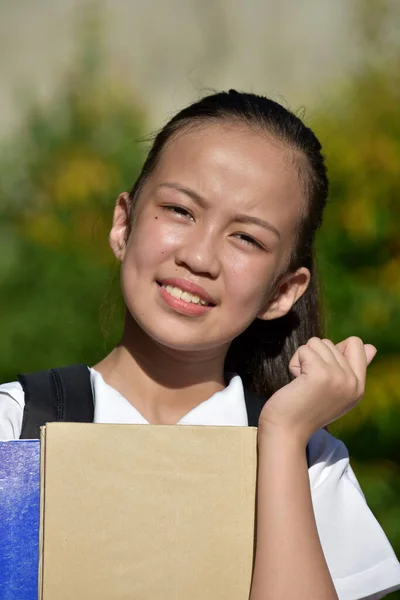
x,y
328,382
289,559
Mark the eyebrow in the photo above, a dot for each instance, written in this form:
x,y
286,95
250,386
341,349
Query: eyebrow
x,y
202,202
188,192
259,222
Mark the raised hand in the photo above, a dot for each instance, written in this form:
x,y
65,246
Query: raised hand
x,y
329,382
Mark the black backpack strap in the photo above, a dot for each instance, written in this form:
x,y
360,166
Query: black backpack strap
x,y
254,406
63,394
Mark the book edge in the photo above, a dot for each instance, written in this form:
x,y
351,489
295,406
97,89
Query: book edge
x,y
42,502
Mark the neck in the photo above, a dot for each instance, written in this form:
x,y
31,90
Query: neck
x,y
162,384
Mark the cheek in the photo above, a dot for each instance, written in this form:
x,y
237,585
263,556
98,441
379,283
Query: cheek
x,y
151,242
249,281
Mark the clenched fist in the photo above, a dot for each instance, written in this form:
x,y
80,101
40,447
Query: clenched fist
x,y
329,381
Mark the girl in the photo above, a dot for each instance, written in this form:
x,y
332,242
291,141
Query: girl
x,y
215,242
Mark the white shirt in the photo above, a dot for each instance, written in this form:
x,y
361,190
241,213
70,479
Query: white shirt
x,y
359,556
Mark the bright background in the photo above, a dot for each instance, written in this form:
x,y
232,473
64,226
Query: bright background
x,y
84,82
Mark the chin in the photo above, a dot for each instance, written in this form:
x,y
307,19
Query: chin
x,y
180,338
181,341
176,332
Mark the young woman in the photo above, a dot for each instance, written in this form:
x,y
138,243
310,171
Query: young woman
x,y
216,242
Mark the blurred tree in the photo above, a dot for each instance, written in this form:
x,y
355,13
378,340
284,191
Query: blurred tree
x,y
59,180
359,250
359,246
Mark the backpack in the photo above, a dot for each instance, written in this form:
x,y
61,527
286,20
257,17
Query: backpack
x,y
65,394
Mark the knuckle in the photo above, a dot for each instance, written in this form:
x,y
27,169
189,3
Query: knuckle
x,y
354,339
305,350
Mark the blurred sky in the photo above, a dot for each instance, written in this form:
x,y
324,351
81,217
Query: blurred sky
x,y
170,51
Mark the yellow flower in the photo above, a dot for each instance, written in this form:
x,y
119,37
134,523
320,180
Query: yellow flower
x,y
44,228
358,218
79,178
390,275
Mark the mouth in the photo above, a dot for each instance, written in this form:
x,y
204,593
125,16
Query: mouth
x,y
182,301
184,295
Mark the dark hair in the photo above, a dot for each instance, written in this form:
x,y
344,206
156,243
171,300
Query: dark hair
x,y
261,354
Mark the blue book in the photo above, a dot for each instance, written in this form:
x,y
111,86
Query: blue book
x,y
19,519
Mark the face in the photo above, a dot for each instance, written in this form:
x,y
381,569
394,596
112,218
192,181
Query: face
x,y
215,224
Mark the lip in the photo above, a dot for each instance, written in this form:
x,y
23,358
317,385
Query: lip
x,y
188,286
178,305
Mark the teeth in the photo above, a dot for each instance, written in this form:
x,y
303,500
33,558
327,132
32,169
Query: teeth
x,y
186,296
176,292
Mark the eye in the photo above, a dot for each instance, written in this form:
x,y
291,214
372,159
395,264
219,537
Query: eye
x,y
178,210
248,240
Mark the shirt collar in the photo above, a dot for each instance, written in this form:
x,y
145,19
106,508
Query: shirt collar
x,y
224,408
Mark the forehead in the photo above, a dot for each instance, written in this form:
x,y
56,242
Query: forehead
x,y
235,167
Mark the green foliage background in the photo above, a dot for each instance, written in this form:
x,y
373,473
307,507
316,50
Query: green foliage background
x,y
59,177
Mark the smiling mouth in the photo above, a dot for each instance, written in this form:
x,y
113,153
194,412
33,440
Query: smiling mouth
x,y
180,294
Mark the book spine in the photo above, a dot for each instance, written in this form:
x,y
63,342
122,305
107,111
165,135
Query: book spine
x,y
42,503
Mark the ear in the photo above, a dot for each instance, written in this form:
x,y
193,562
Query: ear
x,y
120,226
288,291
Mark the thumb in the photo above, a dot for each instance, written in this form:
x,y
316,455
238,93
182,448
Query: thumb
x,y
370,352
295,364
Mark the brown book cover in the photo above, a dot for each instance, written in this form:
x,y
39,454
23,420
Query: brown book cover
x,y
147,512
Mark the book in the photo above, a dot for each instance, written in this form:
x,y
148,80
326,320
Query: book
x,y
19,519
147,512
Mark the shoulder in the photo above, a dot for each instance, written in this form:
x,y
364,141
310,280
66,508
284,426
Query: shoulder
x,y
12,403
358,553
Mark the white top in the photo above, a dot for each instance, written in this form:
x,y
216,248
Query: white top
x,y
359,556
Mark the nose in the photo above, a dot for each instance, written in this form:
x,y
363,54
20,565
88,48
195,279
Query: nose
x,y
199,254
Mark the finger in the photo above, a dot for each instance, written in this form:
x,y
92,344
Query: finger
x,y
370,350
338,354
324,350
354,352
294,365
303,359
